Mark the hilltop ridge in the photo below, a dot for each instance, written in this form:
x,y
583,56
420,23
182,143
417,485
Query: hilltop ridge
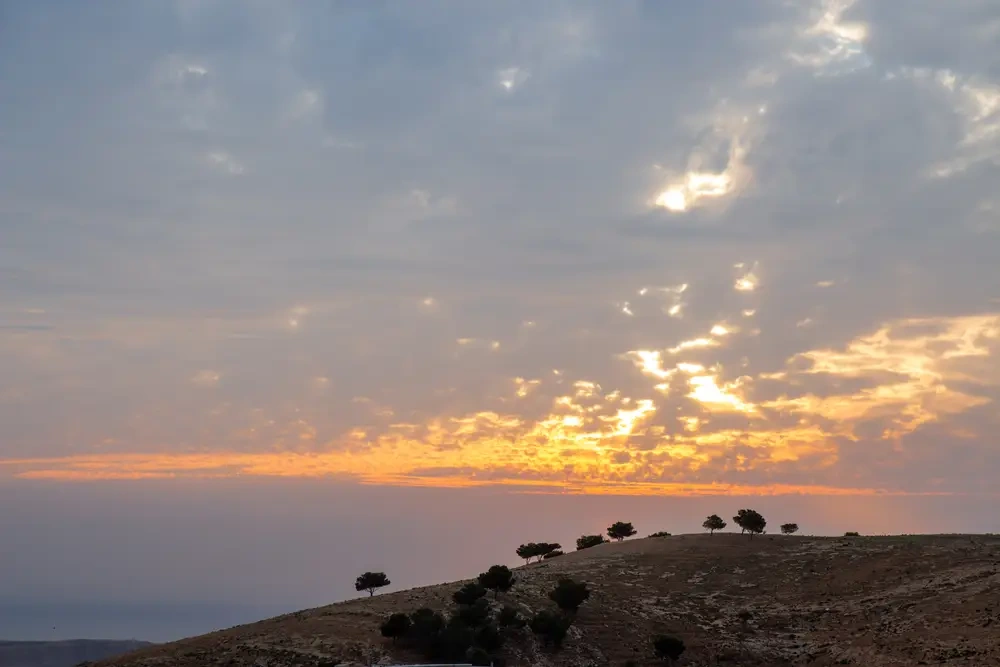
x,y
773,600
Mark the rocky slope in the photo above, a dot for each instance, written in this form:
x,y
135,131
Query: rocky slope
x,y
62,653
775,600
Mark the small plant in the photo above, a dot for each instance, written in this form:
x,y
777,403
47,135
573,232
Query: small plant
x,y
587,541
469,593
789,528
396,626
569,594
661,533
474,615
619,530
851,533
713,523
371,581
552,554
551,627
498,579
667,648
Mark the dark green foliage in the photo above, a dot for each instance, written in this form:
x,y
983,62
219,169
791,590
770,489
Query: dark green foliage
x,y
551,627
713,523
369,581
750,521
509,617
552,554
475,614
569,594
425,624
452,642
789,528
851,533
489,638
498,579
661,533
668,648
587,541
619,530
477,656
469,593
536,550
396,626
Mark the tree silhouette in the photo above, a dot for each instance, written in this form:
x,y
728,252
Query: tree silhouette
x,y
498,579
371,581
552,627
619,530
750,521
789,528
536,550
396,626
713,523
587,541
469,593
667,648
569,594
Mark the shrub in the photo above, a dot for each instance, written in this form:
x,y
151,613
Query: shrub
x,y
425,627
551,627
489,638
661,533
469,593
789,528
396,626
553,554
852,534
619,530
452,642
750,521
475,614
668,648
569,594
509,617
477,656
713,523
498,579
587,541
370,581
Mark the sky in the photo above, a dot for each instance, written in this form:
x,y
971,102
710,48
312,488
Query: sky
x,y
287,289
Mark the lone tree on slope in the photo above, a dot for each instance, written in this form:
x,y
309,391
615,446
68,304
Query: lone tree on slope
x,y
498,579
619,530
789,528
750,521
587,541
536,550
569,595
371,581
713,523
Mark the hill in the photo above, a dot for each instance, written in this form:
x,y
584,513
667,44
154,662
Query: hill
x,y
873,601
62,653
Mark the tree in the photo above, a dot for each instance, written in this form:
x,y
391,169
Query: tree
x,y
750,521
469,593
489,638
713,523
619,530
536,550
475,614
660,533
667,648
552,554
371,581
396,626
569,594
587,541
477,656
552,627
498,579
789,528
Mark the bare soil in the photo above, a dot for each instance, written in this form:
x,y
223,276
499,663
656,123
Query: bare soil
x,y
770,601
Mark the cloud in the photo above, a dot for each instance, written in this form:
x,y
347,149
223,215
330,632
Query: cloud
x,y
756,245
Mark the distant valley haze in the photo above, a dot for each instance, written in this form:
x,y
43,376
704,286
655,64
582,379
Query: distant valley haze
x,y
294,291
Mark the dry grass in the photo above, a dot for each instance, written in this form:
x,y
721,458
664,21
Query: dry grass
x,y
870,601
